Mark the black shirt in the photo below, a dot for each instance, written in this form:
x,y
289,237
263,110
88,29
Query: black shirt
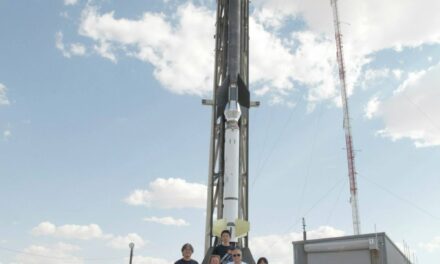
x,y
220,250
182,261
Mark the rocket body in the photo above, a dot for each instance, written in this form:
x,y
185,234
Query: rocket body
x,y
232,97
232,168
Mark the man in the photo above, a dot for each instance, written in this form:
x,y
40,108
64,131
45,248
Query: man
x,y
236,256
187,251
222,249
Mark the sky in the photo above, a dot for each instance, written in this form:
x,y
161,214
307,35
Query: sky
x,y
104,140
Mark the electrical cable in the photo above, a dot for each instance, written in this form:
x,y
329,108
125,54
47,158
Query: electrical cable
x,y
307,212
402,199
421,111
336,202
277,141
306,176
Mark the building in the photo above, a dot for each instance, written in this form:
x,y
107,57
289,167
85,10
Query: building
x,y
374,248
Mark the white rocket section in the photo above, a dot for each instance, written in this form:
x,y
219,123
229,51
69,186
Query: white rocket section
x,y
231,174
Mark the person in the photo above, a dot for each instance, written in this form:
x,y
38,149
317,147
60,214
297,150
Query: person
x,y
227,257
187,251
236,256
262,260
214,259
222,249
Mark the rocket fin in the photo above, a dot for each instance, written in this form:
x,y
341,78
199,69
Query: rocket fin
x,y
241,227
218,226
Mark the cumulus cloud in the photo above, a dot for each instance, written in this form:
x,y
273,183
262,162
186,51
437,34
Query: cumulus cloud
x,y
411,112
122,242
432,245
167,221
373,75
50,254
372,107
397,73
84,232
182,56
304,58
278,248
170,193
370,28
76,49
280,63
3,98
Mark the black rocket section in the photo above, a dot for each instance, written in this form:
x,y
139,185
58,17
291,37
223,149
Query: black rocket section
x,y
224,94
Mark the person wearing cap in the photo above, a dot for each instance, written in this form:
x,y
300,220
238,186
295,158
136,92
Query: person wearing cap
x,y
223,248
187,251
236,256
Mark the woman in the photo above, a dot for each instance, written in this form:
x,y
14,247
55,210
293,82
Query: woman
x,y
187,251
262,260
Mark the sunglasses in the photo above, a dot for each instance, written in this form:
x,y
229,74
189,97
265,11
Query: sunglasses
x,y
236,255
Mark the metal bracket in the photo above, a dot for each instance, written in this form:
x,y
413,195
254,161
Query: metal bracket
x,y
255,104
207,102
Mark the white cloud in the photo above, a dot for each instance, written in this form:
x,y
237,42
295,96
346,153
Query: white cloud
x,y
52,254
413,109
60,45
370,29
105,50
375,74
148,260
122,242
397,73
70,2
76,49
372,24
170,193
3,98
278,248
167,221
84,232
182,56
372,107
431,246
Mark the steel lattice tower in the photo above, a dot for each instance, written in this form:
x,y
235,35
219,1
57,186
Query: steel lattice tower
x,y
346,125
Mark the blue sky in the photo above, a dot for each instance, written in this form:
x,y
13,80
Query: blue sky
x,y
103,138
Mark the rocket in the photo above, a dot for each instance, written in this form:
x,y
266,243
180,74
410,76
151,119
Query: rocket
x,y
232,96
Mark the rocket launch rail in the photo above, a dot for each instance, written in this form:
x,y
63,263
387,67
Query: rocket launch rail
x,y
228,176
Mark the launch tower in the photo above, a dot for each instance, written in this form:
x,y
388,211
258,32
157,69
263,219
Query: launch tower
x,y
228,176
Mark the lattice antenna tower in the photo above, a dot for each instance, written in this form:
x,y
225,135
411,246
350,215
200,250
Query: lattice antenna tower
x,y
346,125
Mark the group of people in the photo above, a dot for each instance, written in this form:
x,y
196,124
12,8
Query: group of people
x,y
225,253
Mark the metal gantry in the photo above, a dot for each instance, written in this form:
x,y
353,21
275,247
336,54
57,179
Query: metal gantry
x,y
346,125
216,171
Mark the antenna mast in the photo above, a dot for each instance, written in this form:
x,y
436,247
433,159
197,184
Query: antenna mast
x,y
347,127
